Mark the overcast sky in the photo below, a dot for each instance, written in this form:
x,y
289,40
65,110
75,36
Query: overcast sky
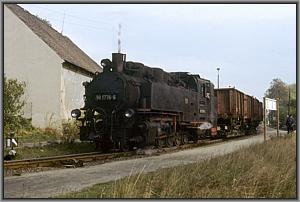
x,y
251,43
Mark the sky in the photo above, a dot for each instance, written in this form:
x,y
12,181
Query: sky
x,y
251,43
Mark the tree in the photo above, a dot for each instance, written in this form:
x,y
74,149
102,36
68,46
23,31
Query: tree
x,y
13,105
279,89
292,99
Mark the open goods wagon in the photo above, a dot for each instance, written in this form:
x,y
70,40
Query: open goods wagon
x,y
237,111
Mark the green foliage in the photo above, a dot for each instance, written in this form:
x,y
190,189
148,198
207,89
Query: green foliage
x,y
293,99
70,131
293,89
54,149
13,105
287,96
36,135
278,89
14,122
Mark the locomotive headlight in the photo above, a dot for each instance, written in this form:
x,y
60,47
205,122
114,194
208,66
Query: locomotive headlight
x,y
129,113
75,113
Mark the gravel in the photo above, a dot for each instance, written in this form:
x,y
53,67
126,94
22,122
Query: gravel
x,y
55,182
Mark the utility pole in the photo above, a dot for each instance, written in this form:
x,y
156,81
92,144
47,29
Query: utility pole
x,y
277,106
264,118
218,77
289,104
62,27
119,38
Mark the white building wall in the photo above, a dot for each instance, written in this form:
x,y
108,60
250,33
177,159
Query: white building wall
x,y
72,91
27,58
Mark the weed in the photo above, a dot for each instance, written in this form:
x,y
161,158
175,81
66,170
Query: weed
x,y
70,131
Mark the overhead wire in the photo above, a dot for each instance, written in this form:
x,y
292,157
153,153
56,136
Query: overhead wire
x,y
81,25
74,16
112,26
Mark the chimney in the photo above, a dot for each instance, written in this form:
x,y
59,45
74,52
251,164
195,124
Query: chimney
x,y
118,62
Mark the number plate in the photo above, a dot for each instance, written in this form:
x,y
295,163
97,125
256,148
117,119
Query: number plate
x,y
106,97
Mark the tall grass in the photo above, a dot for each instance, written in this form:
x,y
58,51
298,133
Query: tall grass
x,y
266,170
54,150
67,132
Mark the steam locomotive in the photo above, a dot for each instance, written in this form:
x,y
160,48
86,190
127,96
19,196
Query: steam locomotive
x,y
130,105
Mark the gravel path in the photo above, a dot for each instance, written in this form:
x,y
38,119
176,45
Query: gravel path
x,y
51,183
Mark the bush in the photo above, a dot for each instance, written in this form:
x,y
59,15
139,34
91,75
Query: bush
x,y
12,106
70,131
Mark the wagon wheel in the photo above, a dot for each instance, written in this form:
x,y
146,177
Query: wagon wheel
x,y
159,142
170,141
124,147
195,138
106,145
97,144
177,140
184,139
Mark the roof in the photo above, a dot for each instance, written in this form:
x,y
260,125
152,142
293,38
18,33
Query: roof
x,y
62,45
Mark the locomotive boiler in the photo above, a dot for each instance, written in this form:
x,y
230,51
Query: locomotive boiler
x,y
131,105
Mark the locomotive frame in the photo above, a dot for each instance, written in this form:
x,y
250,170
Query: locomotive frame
x,y
130,105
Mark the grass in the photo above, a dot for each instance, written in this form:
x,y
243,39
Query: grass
x,y
54,150
29,134
37,135
266,170
66,134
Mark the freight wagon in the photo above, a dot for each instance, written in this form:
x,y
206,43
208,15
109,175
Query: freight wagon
x,y
237,112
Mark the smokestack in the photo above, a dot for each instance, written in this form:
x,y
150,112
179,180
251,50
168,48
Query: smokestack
x,y
118,62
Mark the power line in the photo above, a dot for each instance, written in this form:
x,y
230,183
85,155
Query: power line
x,y
74,16
62,29
119,39
71,23
112,26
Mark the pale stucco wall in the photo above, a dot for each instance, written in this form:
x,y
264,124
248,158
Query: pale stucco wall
x,y
72,91
27,58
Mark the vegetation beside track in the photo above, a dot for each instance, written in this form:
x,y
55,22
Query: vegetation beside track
x,y
54,150
266,170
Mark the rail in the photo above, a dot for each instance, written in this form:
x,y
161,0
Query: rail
x,y
63,159
75,159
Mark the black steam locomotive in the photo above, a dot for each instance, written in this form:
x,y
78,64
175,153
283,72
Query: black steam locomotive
x,y
131,105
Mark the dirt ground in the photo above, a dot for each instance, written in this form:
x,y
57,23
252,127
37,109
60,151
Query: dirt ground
x,y
51,183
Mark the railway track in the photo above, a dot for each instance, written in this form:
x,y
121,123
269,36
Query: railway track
x,y
77,160
64,160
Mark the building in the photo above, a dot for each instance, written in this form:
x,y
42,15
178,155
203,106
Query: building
x,y
50,64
